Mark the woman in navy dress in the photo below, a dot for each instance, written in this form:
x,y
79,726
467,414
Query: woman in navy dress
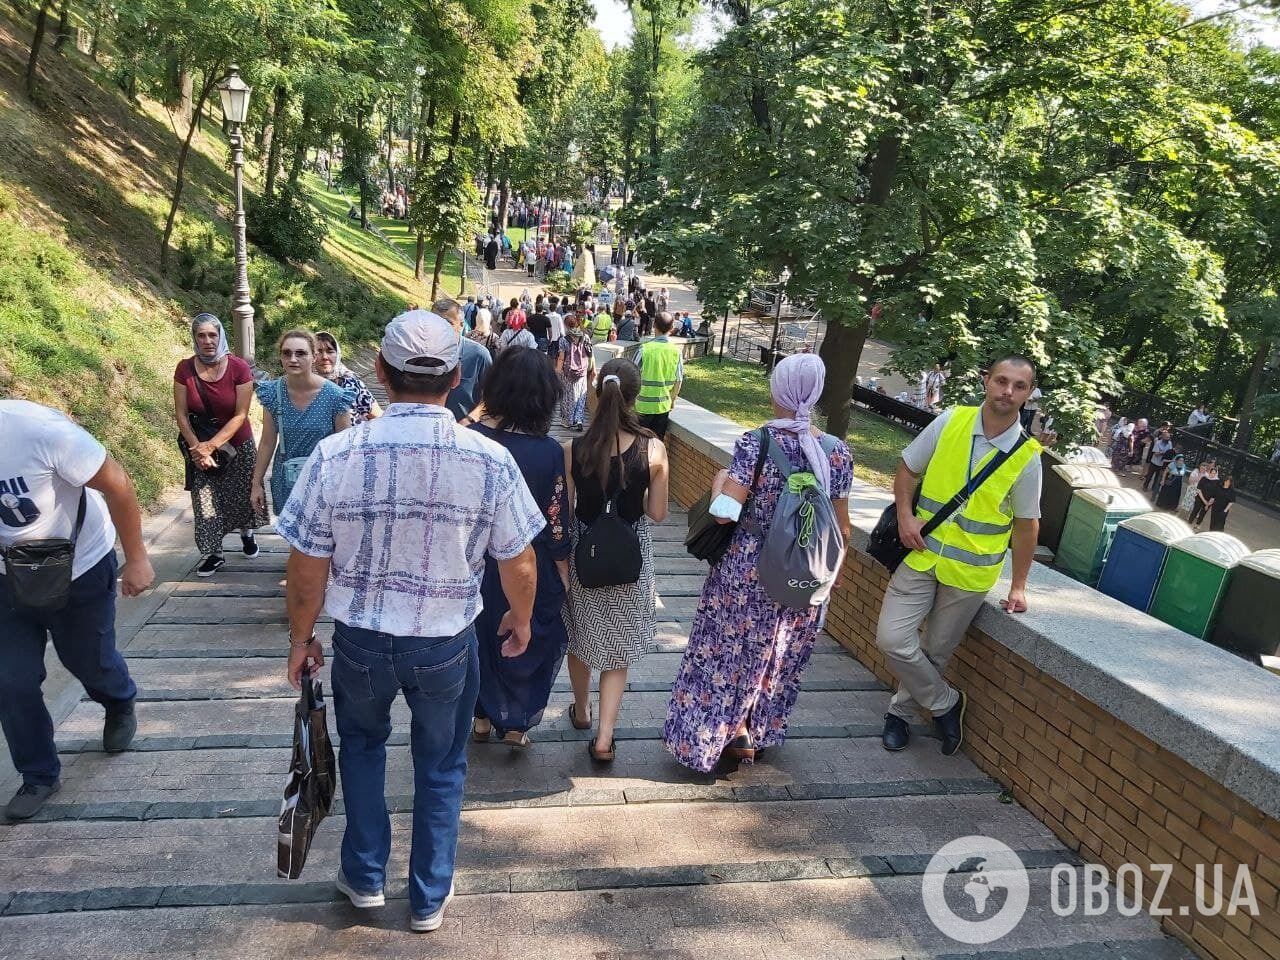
x,y
521,395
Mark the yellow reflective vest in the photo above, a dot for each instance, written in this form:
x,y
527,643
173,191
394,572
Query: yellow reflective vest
x,y
659,362
967,551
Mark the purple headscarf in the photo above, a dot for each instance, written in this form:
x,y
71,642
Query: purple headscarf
x,y
796,385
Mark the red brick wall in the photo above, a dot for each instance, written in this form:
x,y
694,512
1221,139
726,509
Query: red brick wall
x,y
1105,790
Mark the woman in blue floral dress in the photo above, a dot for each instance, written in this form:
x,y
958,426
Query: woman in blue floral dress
x,y
740,675
302,405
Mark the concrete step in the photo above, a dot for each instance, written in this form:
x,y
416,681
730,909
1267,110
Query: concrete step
x,y
528,842
242,781
864,918
268,722
190,678
271,609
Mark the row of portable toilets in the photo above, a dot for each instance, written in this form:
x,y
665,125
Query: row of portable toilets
x,y
1109,537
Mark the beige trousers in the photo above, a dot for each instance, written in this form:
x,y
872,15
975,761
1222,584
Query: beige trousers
x,y
912,596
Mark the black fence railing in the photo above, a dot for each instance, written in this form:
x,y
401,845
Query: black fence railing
x,y
1134,404
911,417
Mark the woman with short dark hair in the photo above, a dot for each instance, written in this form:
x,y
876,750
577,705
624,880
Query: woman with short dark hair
x,y
521,394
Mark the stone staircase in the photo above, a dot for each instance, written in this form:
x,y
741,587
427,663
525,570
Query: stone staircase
x,y
169,850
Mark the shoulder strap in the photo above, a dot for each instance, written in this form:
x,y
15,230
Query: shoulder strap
x,y
828,442
956,502
281,393
779,458
75,532
200,389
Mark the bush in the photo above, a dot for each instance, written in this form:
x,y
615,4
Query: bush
x,y
285,226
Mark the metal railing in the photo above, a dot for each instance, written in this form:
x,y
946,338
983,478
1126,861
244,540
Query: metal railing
x,y
906,414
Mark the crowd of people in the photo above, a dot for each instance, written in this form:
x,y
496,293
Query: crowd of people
x,y
1196,492
464,554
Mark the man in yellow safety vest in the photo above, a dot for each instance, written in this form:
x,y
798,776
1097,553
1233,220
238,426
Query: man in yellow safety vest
x,y
661,373
948,573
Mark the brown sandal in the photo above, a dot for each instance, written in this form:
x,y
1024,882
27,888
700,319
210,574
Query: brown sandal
x,y
604,756
742,749
476,735
573,717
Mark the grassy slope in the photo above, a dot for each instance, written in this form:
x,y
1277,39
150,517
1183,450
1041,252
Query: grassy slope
x,y
87,321
740,391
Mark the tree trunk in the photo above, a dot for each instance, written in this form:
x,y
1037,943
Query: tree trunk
x,y
841,350
100,14
364,173
504,201
64,27
300,148
428,133
42,23
1244,433
488,180
210,77
420,257
435,277
278,108
391,170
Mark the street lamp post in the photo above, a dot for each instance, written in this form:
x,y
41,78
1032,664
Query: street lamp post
x,y
235,107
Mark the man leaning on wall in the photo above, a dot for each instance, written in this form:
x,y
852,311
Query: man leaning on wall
x,y
948,573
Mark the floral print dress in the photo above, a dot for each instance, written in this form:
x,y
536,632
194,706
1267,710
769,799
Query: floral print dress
x,y
746,653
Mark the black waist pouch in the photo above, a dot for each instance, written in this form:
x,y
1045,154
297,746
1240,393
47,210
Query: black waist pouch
x,y
38,572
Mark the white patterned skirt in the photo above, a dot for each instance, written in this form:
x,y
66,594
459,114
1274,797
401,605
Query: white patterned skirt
x,y
612,627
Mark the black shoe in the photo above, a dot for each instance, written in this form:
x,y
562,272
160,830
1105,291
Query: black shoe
x,y
26,803
250,545
118,730
896,734
951,726
212,564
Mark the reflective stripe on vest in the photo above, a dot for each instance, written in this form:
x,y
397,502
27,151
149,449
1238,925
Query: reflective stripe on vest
x,y
658,365
602,324
968,550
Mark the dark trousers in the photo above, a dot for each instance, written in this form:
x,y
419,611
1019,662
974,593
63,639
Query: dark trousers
x,y
84,636
657,422
1198,510
1149,482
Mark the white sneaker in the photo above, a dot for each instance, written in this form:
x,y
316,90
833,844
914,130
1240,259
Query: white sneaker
x,y
359,898
432,921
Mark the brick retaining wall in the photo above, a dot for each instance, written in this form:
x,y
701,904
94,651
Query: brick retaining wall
x,y
1106,790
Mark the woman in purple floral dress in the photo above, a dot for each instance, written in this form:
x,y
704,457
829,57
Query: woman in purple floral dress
x,y
740,674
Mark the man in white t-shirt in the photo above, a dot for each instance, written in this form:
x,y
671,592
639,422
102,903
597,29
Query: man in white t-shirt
x,y
47,463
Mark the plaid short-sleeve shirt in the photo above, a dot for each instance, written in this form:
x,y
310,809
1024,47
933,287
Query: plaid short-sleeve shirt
x,y
407,506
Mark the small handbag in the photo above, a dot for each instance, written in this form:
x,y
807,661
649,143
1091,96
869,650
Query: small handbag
x,y
608,553
38,572
708,539
205,426
883,543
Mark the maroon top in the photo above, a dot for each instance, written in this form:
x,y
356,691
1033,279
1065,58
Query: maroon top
x,y
221,393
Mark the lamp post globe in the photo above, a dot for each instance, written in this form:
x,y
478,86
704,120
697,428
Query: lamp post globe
x,y
234,93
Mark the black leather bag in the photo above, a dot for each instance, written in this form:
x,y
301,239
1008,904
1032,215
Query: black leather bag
x,y
883,543
309,792
38,572
708,539
205,426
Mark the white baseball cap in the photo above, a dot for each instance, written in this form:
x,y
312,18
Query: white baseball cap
x,y
420,341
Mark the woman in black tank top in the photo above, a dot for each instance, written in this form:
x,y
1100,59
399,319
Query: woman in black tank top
x,y
610,628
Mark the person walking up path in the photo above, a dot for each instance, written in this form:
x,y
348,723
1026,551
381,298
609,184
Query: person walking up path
x,y
389,529
59,482
740,675
947,575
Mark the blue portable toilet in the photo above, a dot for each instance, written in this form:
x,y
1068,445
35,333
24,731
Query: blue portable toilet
x,y
1137,557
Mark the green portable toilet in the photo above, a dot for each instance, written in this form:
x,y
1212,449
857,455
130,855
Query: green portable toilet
x,y
1092,519
1060,481
1247,621
1194,581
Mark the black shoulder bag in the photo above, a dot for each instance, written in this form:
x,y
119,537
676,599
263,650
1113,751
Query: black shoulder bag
x,y
708,539
38,572
608,552
883,543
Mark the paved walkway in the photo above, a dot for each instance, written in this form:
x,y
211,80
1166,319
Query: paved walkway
x,y
169,850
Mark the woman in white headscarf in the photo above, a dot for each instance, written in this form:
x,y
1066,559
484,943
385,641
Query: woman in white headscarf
x,y
212,390
329,365
740,675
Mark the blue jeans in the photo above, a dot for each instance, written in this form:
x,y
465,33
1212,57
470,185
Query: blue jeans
x,y
84,636
440,678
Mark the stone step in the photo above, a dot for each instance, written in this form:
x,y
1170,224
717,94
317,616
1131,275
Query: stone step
x,y
874,917
86,856
266,722
271,610
187,678
239,781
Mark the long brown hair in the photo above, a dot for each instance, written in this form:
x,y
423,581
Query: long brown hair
x,y
615,412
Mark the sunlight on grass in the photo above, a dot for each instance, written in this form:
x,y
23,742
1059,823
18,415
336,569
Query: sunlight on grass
x,y
740,391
